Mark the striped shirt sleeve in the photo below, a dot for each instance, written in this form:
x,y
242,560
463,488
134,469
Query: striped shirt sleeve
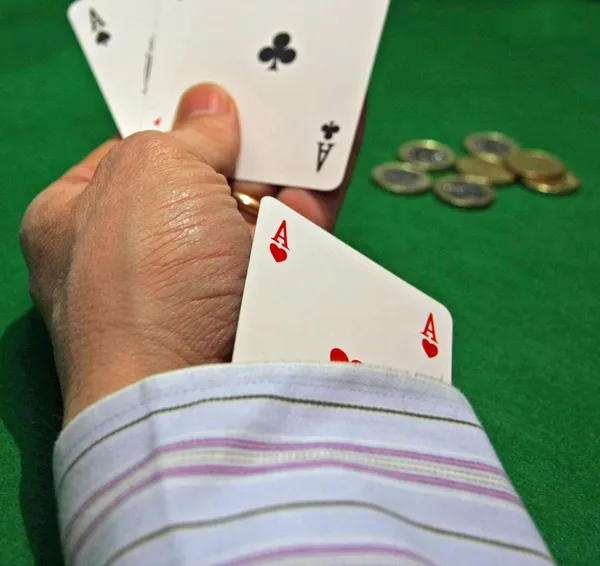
x,y
287,464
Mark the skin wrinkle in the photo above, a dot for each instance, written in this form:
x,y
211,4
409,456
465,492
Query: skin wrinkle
x,y
138,255
186,209
207,289
174,236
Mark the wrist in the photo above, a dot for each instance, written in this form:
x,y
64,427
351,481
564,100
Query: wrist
x,y
84,385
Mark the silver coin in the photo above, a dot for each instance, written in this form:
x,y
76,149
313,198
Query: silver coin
x,y
465,191
497,147
401,178
427,155
490,146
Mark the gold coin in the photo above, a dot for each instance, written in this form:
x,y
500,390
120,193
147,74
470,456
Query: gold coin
x,y
495,173
401,178
565,185
490,146
465,191
427,155
536,164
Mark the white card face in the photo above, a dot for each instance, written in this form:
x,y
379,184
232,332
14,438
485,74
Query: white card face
x,y
311,298
173,26
116,38
299,72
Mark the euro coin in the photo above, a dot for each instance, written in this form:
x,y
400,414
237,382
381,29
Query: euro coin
x,y
565,185
536,164
493,147
494,172
402,178
465,191
427,155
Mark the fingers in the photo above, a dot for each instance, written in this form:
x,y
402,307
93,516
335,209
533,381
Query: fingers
x,y
46,229
77,178
255,190
320,208
55,202
323,208
83,172
207,121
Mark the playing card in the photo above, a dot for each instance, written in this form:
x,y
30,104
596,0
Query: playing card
x,y
299,72
117,40
311,298
170,44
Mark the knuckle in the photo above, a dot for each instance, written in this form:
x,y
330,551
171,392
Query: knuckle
x,y
164,153
31,230
45,220
151,149
137,164
209,177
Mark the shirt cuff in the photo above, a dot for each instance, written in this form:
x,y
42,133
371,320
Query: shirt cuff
x,y
254,464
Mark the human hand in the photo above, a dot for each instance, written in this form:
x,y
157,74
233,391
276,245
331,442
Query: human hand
x,y
138,255
322,208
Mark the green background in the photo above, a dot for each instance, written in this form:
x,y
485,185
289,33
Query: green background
x,y
520,278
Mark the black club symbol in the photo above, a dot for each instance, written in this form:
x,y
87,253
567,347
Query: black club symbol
x,y
103,38
278,52
329,130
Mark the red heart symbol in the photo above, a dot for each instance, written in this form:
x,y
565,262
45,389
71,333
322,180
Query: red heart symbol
x,y
337,355
157,122
279,254
430,349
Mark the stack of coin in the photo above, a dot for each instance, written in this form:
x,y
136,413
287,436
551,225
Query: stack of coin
x,y
488,153
494,160
537,170
543,172
419,159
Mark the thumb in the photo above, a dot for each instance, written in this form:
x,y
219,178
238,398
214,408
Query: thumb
x,y
207,121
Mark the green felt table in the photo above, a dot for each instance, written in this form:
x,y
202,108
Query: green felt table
x,y
521,278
